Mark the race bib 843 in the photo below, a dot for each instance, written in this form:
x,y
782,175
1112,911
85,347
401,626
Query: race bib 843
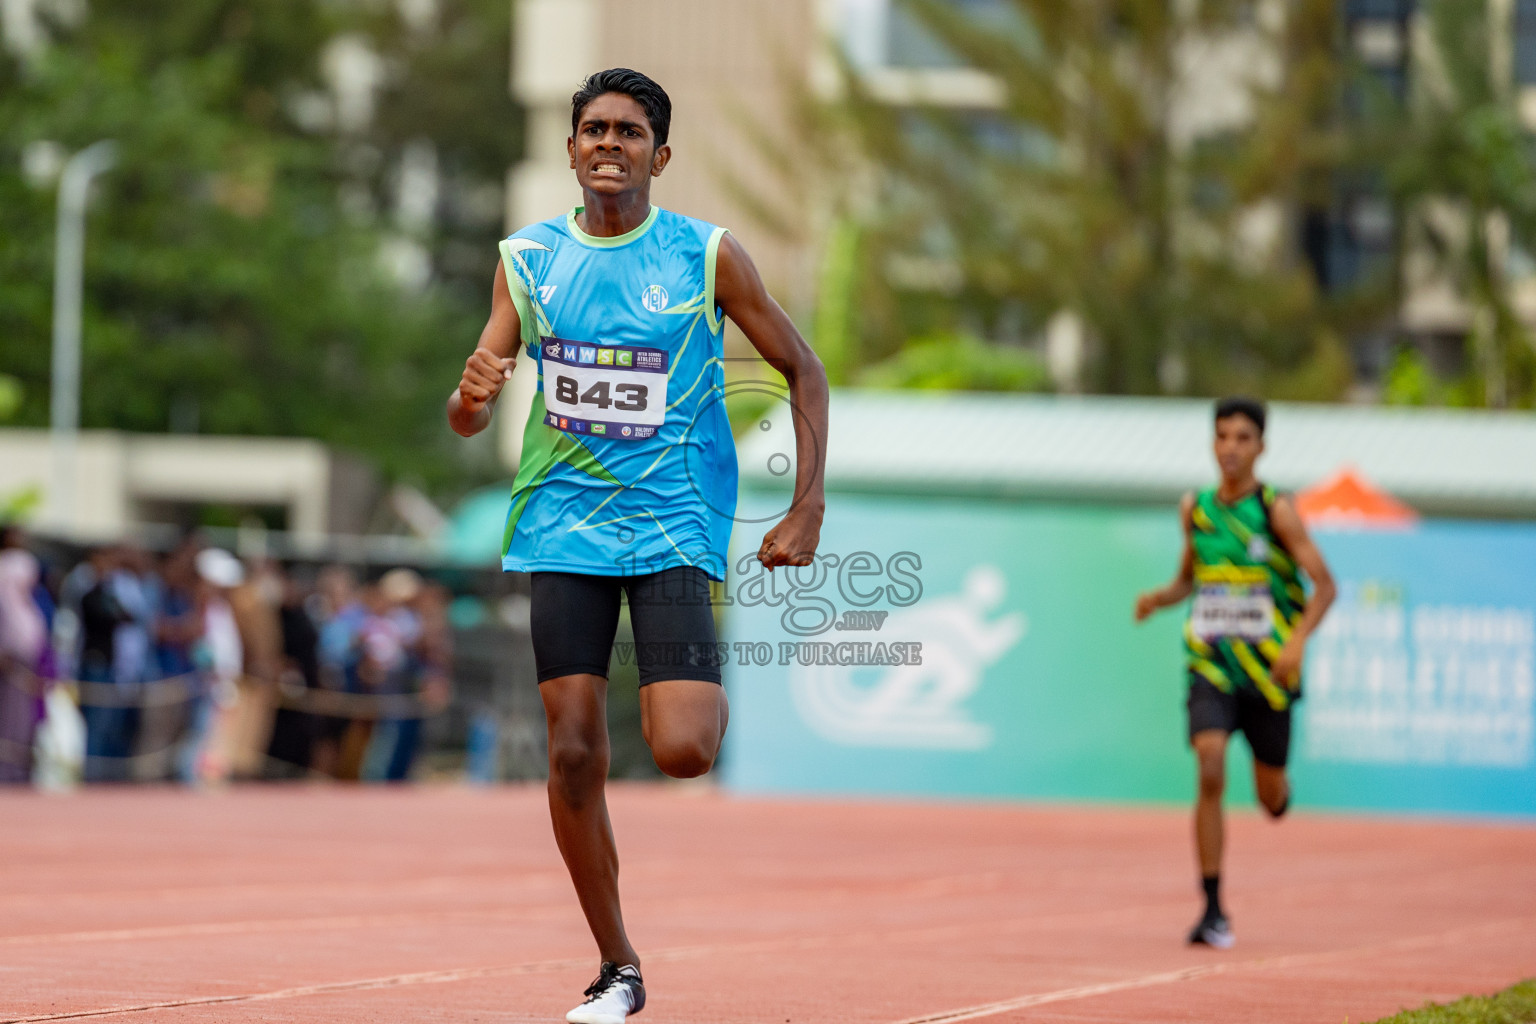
x,y
612,391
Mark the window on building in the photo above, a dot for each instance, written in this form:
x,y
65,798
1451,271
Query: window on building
x,y
1395,10
1379,36
1525,42
912,45
889,34
1350,241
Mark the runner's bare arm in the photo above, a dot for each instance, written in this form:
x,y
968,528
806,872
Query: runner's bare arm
x,y
1293,534
740,293
1183,583
489,367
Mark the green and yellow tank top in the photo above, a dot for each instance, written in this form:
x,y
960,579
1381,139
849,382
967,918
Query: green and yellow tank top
x,y
1248,595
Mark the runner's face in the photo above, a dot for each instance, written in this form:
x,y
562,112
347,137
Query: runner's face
x,y
1238,446
614,149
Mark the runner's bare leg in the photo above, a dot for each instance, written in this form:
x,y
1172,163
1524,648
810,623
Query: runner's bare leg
x,y
575,708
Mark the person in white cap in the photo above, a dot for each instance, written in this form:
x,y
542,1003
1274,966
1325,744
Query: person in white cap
x,y
219,657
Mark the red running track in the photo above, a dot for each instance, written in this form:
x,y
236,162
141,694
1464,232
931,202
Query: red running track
x,y
342,905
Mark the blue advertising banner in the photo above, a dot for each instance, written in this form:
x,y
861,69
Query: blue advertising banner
x,y
1420,691
986,649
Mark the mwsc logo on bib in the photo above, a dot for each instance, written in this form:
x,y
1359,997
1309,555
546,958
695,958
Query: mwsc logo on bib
x,y
654,298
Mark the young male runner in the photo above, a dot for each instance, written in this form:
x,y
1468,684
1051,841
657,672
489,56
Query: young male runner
x,y
627,480
1246,635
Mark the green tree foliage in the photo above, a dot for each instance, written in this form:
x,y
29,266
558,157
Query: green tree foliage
x,y
13,506
1463,170
1086,190
957,362
234,273
10,397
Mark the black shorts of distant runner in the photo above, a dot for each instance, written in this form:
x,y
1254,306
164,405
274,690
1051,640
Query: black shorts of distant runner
x,y
1268,731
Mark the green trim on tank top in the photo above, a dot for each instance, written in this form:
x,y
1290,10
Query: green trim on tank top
x,y
711,256
532,320
594,242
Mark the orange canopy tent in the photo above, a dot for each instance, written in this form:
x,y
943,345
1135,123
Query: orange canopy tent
x,y
1348,500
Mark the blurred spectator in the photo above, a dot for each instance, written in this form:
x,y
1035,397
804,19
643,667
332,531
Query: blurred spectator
x,y
68,636
397,734
136,590
434,674
219,660
23,645
195,667
48,664
294,732
179,623
340,614
109,711
255,605
377,656
176,627
436,649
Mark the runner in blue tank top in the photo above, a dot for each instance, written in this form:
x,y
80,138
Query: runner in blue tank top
x,y
628,466
627,479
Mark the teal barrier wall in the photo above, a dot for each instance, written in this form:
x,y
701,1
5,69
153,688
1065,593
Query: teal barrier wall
x,y
1033,681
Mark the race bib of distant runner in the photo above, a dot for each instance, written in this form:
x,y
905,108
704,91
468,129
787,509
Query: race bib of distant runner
x,y
1233,601
607,391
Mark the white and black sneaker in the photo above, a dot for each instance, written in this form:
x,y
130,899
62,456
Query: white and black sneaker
x,y
617,993
1213,930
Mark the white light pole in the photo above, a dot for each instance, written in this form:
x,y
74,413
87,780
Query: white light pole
x,y
68,270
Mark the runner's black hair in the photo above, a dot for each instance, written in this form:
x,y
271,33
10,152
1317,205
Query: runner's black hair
x,y
1238,405
652,98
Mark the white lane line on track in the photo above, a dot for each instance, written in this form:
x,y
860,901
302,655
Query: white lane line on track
x,y
391,981
802,942
1189,973
1059,996
464,974
497,883
364,984
302,924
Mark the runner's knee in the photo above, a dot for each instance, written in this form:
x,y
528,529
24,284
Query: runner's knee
x,y
1213,776
576,765
684,759
1274,792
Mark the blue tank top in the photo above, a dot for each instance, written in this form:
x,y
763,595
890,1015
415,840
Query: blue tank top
x,y
628,465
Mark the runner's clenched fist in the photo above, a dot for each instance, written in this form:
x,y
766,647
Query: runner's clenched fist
x,y
485,374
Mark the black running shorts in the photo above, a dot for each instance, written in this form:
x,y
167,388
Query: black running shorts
x,y
1268,731
575,617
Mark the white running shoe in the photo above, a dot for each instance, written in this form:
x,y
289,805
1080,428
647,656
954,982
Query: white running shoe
x,y
1213,931
617,993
